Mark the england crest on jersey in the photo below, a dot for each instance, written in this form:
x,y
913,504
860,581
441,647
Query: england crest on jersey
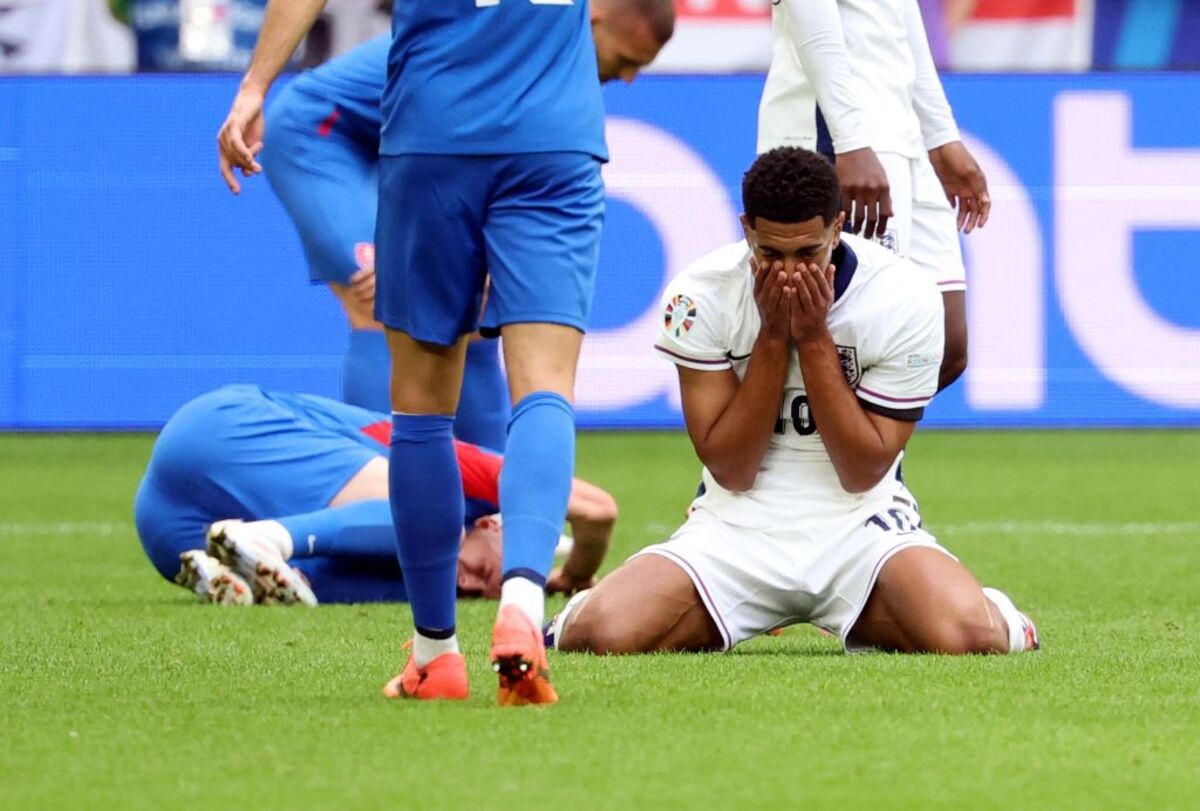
x,y
849,358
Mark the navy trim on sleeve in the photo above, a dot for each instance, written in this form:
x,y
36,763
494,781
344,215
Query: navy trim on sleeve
x,y
902,414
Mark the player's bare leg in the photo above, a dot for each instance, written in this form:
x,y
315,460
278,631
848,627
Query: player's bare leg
x,y
954,357
926,602
648,604
534,489
426,379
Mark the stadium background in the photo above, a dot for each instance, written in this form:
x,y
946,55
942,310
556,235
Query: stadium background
x,y
134,281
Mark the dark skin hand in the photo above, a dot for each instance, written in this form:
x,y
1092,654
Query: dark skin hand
x,y
866,193
965,184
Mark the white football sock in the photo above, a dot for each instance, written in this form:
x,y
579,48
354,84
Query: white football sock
x,y
526,595
274,533
425,650
1016,623
560,621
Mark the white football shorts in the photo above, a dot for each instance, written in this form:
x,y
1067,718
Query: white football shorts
x,y
752,581
924,227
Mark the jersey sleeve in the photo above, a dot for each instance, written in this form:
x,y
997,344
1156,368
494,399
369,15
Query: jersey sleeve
x,y
905,378
480,472
692,331
929,98
815,28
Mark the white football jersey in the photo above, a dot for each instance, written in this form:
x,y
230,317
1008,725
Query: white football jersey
x,y
881,85
887,323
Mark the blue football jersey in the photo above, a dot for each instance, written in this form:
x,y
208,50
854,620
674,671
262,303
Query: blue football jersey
x,y
492,77
353,82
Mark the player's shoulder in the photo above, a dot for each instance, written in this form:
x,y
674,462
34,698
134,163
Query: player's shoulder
x,y
887,279
717,272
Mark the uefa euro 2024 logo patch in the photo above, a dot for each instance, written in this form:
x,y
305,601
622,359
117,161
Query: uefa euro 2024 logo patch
x,y
679,315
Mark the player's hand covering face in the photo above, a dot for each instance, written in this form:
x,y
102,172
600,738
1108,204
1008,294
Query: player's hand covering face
x,y
793,277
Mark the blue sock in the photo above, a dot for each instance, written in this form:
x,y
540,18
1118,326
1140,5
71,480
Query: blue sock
x,y
535,482
362,530
427,508
367,371
483,410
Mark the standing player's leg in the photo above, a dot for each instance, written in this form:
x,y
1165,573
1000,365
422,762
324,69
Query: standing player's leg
x,y
935,247
430,278
543,236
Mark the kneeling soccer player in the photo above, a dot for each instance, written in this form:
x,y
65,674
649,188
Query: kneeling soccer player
x,y
281,484
804,516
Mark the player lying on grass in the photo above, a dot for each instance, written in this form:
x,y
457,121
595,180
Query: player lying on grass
x,y
805,359
305,481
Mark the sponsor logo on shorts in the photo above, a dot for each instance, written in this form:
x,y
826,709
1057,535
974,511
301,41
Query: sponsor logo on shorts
x,y
364,255
679,315
849,357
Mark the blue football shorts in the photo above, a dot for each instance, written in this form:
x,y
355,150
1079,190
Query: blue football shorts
x,y
324,169
233,453
531,221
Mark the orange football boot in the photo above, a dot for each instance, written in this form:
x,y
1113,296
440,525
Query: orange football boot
x,y
444,678
519,659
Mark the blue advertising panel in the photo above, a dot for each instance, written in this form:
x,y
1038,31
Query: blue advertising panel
x,y
131,280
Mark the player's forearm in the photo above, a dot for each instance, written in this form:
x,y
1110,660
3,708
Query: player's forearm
x,y
285,24
929,97
815,28
858,451
734,446
591,541
592,514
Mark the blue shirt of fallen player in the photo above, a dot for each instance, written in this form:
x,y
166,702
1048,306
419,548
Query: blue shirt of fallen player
x,y
508,78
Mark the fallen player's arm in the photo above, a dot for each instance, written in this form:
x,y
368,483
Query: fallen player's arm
x,y
730,422
862,444
592,514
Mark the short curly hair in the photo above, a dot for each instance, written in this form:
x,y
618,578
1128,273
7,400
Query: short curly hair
x,y
789,185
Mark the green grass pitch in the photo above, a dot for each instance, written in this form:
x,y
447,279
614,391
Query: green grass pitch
x,y
120,692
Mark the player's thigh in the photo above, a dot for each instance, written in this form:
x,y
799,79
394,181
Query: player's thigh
x,y
167,525
541,357
543,239
329,188
429,250
898,235
926,601
647,604
426,377
934,244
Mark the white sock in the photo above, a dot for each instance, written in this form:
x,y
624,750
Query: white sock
x,y
526,595
274,533
425,650
1016,623
560,620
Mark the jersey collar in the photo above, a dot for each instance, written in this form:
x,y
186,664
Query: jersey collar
x,y
845,263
